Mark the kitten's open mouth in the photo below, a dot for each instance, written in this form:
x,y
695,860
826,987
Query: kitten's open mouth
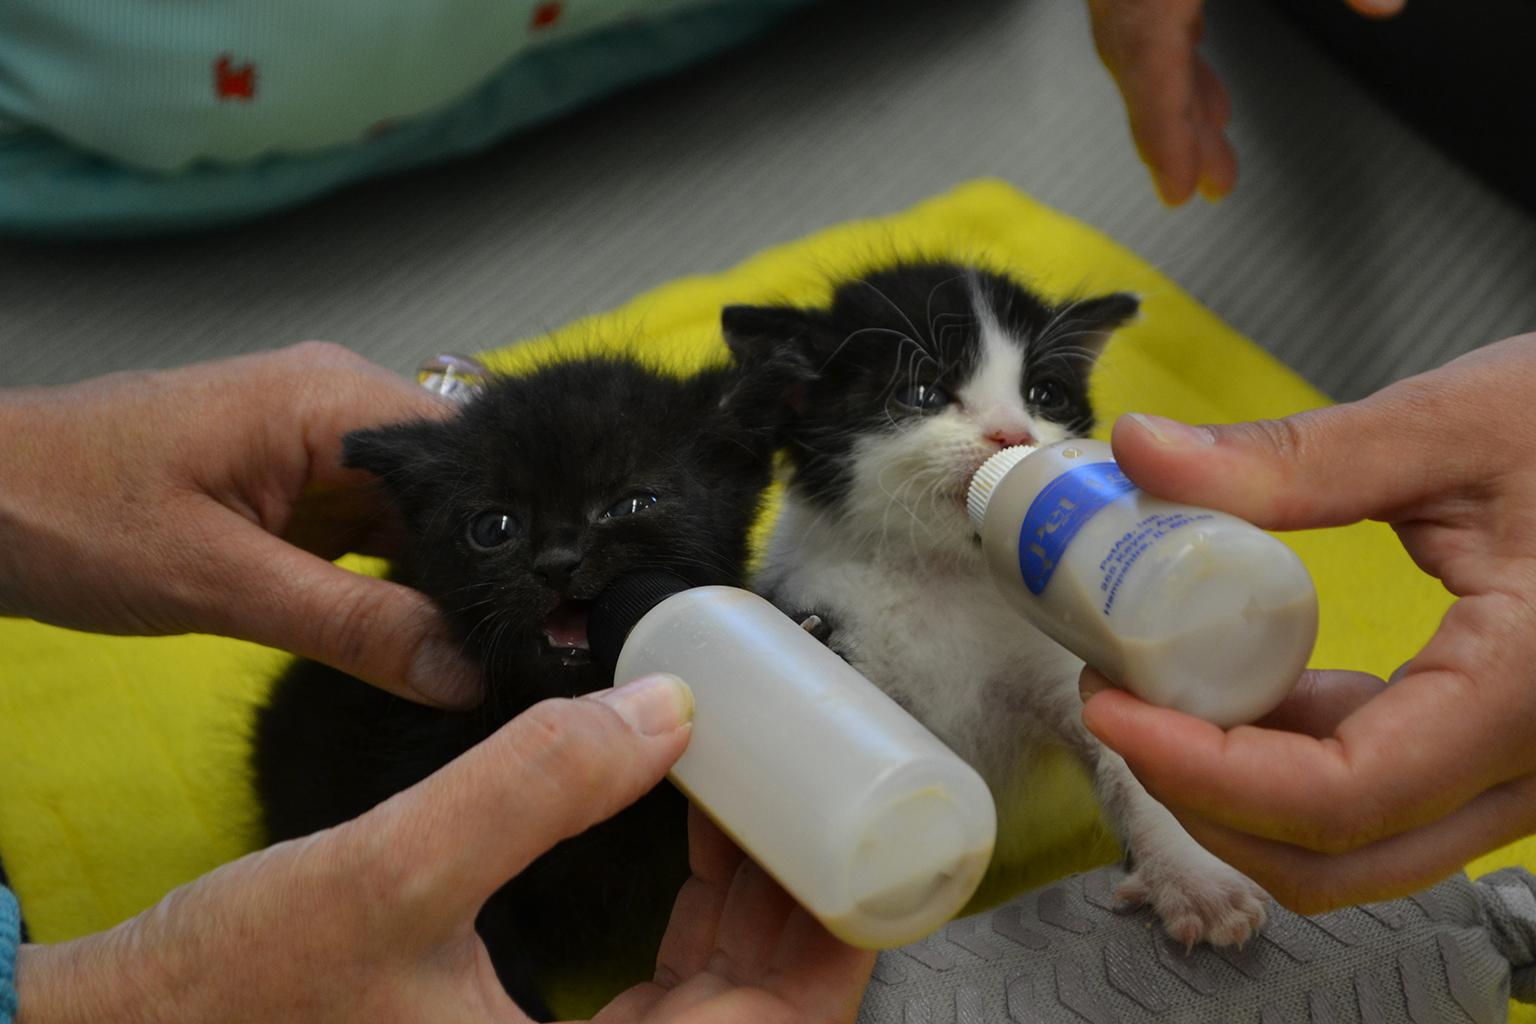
x,y
565,632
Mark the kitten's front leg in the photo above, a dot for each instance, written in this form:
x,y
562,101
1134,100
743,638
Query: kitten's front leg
x,y
816,619
1198,896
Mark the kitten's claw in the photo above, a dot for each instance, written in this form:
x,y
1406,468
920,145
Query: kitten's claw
x,y
816,625
1213,903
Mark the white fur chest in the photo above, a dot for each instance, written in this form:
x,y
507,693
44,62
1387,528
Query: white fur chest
x,y
941,642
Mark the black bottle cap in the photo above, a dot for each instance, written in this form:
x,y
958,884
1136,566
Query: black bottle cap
x,y
623,604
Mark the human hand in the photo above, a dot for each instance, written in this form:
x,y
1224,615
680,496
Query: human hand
x,y
1357,790
374,920
210,499
1177,106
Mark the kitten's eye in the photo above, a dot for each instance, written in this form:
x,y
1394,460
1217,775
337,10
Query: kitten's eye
x,y
630,505
1047,394
492,529
923,396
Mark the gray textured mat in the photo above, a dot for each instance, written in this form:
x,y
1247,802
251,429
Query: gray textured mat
x,y
1069,954
1351,249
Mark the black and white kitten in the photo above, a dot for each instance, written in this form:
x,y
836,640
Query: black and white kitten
x,y
911,379
518,511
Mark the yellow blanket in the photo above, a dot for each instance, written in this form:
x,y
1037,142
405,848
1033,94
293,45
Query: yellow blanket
x,y
123,762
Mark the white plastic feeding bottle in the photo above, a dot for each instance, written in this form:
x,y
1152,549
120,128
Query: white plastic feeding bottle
x,y
859,812
1185,607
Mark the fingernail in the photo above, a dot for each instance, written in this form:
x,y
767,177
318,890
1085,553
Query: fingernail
x,y
1090,683
1210,191
442,675
1172,432
652,705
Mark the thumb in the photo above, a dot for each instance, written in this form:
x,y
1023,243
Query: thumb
x,y
1372,459
273,593
554,771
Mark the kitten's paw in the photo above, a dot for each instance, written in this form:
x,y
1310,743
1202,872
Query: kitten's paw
x,y
1207,902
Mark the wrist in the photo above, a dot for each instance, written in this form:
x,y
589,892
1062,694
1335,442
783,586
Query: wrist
x,y
93,979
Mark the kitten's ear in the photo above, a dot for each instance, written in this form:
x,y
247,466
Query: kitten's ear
x,y
780,350
406,457
1090,322
782,339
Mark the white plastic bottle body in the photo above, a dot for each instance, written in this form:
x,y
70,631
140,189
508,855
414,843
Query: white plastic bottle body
x,y
860,813
1187,608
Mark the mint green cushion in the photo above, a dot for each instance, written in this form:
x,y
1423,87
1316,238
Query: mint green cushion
x,y
53,187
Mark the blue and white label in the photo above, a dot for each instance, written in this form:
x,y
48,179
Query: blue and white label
x,y
1059,511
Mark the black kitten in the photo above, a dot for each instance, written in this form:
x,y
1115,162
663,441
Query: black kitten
x,y
518,511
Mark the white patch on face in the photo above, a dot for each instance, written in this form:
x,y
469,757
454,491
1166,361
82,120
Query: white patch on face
x,y
993,396
908,489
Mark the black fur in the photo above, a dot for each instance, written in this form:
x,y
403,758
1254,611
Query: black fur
x,y
913,322
554,449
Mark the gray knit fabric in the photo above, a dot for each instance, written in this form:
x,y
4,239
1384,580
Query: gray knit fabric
x,y
1068,954
1510,896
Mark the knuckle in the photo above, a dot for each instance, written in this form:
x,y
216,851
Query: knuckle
x,y
381,881
319,352
1287,444
352,633
314,370
544,738
555,742
1282,437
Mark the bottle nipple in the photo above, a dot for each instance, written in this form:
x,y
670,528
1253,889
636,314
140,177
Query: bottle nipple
x,y
986,479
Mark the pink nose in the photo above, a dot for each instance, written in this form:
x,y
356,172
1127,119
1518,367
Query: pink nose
x,y
1010,436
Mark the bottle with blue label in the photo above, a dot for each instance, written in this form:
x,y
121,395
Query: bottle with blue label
x,y
1187,608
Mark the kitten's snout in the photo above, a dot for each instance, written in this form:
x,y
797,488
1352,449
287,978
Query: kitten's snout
x,y
1007,437
556,567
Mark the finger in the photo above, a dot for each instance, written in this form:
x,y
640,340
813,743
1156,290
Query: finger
x,y
1376,458
711,854
1407,757
692,1000
336,522
1327,467
1216,100
338,391
814,969
1311,883
1316,705
1218,162
689,941
750,924
631,1005
1321,700
1149,49
555,770
711,999
263,589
